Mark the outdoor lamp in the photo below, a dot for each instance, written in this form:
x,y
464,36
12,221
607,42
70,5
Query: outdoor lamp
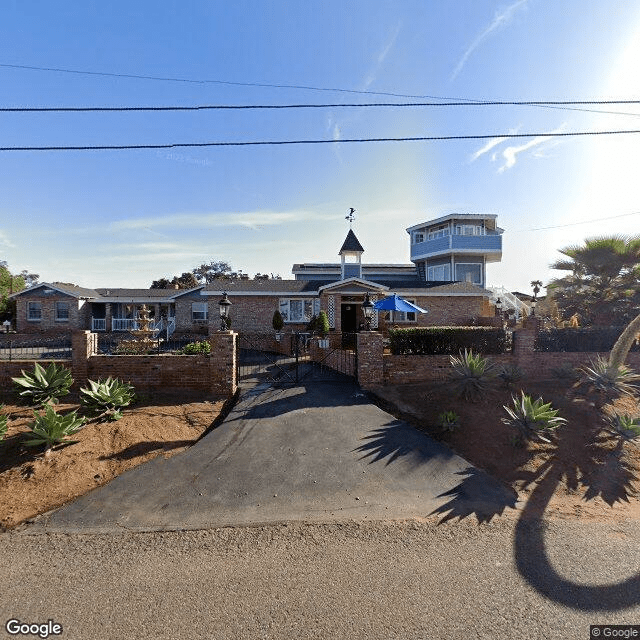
x,y
499,304
367,310
533,307
224,305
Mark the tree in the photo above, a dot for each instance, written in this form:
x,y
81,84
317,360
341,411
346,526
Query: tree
x,y
209,271
9,284
602,285
162,283
186,281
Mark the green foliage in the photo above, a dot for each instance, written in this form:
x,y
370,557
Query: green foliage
x,y
323,324
449,421
534,419
277,322
51,428
566,372
510,374
447,340
583,339
45,385
609,381
107,397
3,423
602,284
194,348
472,375
624,425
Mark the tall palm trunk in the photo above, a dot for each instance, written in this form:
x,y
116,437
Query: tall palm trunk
x,y
624,343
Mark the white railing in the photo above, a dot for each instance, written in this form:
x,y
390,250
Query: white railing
x,y
98,324
124,324
509,301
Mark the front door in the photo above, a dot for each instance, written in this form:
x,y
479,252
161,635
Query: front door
x,y
348,317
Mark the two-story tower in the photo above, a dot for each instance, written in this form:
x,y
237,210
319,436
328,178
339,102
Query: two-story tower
x,y
456,247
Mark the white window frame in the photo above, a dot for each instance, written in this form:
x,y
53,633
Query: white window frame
x,y
469,230
199,312
439,232
59,317
469,264
31,307
418,236
304,309
446,272
403,316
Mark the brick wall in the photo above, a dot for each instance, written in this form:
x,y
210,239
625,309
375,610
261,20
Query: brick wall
x,y
48,324
14,369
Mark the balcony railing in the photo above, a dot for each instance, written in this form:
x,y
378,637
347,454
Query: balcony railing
x,y
98,324
473,244
124,324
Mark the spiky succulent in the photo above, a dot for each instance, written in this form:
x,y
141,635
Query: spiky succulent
x,y
51,428
610,380
624,425
45,386
534,419
510,374
107,397
472,374
3,423
449,421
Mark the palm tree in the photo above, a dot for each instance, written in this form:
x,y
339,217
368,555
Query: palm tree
x,y
536,285
602,285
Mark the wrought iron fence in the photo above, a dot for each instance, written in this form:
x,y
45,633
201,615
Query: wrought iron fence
x,y
127,344
36,348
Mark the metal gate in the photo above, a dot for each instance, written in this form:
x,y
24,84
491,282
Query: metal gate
x,y
294,358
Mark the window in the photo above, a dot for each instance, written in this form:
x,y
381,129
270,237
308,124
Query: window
x,y
418,236
34,311
469,273
199,312
438,273
62,312
469,230
299,309
402,316
439,232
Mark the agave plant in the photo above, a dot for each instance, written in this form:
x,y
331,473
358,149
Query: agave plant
x,y
45,386
472,374
610,380
534,419
107,397
449,421
624,425
510,374
52,428
3,423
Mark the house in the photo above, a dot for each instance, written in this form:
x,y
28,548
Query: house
x,y
447,277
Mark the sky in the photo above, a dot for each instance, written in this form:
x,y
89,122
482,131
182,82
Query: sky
x,y
127,217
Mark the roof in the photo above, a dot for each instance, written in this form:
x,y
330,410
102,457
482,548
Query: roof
x,y
144,293
457,216
69,289
265,287
351,243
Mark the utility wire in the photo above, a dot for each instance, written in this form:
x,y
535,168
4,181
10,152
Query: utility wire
x,y
573,224
118,147
209,107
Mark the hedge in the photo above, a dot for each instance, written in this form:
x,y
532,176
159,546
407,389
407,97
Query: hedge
x,y
580,339
448,340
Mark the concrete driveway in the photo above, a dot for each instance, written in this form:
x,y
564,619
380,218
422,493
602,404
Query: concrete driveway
x,y
309,453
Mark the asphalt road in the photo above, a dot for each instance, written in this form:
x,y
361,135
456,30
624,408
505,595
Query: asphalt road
x,y
408,580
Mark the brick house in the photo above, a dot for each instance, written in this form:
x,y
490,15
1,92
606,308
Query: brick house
x,y
458,245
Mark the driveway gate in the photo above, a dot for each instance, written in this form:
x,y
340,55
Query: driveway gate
x,y
294,358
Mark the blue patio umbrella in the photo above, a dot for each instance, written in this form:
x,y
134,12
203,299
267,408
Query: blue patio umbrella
x,y
396,303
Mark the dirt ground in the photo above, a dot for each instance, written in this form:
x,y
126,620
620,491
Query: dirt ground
x,y
586,473
32,483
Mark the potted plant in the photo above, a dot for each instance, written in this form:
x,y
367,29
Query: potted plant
x,y
277,323
322,325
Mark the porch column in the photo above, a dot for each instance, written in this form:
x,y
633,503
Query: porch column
x,y
222,362
107,316
370,359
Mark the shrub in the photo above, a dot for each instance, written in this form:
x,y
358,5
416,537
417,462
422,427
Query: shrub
x,y
194,348
578,339
277,322
472,374
448,340
322,325
609,380
45,386
532,418
107,397
448,421
510,374
3,423
624,425
52,428
566,372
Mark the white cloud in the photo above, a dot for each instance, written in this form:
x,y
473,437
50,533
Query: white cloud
x,y
372,74
501,19
494,142
510,153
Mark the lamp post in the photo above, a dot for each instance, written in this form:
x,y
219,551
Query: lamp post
x,y
367,310
533,307
224,305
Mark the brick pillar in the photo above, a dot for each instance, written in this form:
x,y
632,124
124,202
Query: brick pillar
x,y
222,363
370,363
83,344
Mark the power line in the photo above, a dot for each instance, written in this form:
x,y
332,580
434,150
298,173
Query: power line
x,y
301,142
209,107
573,224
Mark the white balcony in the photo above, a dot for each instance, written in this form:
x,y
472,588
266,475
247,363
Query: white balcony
x,y
98,324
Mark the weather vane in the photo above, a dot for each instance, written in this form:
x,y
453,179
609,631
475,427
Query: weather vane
x,y
351,217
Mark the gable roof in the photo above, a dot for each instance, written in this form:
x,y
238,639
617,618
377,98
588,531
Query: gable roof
x,y
351,243
69,289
